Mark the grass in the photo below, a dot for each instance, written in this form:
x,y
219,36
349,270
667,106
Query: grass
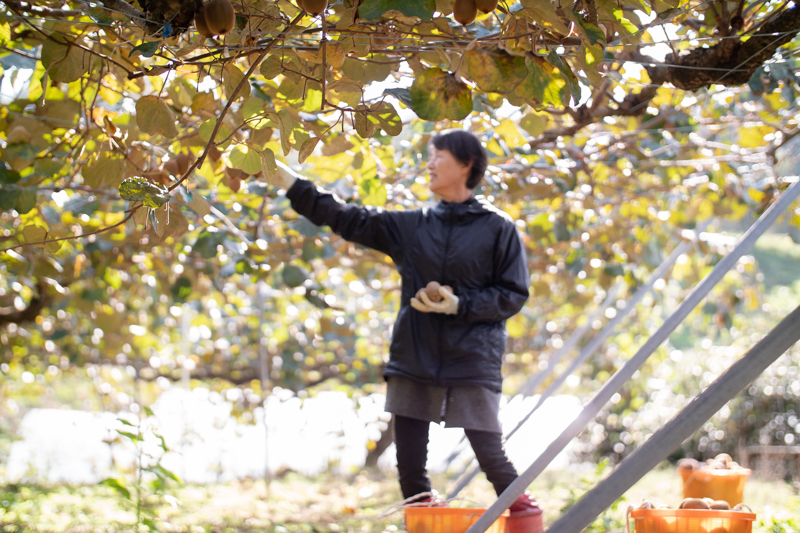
x,y
337,504
777,256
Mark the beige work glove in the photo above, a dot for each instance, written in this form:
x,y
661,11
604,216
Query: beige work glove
x,y
448,305
284,178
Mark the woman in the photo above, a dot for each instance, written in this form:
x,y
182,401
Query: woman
x,y
445,357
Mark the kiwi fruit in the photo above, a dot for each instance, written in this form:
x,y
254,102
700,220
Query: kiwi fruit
x,y
465,11
220,16
184,162
314,7
214,153
432,290
200,23
172,167
724,458
688,464
486,6
693,503
720,505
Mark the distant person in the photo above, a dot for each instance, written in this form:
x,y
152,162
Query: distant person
x,y
446,356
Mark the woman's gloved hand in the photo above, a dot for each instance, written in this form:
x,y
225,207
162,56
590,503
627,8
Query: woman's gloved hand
x,y
284,178
448,305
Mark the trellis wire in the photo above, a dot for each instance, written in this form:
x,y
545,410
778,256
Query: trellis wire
x,y
621,376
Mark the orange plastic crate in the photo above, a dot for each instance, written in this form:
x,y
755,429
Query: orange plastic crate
x,y
691,521
727,485
447,520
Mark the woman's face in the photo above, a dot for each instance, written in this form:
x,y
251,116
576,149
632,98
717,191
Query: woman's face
x,y
448,175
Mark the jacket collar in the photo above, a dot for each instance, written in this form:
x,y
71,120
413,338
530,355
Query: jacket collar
x,y
460,212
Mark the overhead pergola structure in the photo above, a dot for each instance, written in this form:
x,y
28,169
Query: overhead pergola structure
x,y
691,418
531,385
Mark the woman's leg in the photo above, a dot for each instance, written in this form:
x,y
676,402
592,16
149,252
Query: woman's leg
x,y
488,448
411,440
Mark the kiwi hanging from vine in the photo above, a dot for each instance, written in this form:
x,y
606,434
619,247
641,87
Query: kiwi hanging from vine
x,y
464,11
220,16
486,6
315,7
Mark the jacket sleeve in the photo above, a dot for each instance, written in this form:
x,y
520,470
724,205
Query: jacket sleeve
x,y
509,292
370,226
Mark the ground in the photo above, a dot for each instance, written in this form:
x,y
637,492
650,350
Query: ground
x,y
352,504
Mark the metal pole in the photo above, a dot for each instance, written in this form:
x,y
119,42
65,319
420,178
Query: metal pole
x,y
682,426
592,346
627,370
263,356
534,381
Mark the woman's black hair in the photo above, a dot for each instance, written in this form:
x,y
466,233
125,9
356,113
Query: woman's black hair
x,y
466,148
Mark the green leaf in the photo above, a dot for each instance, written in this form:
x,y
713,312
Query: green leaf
x,y
181,289
563,67
268,165
271,67
286,125
372,192
26,200
592,32
375,9
9,194
533,124
106,170
388,119
8,176
245,158
146,49
495,71
206,244
5,33
118,486
307,148
64,61
543,84
147,411
436,95
545,11
252,107
560,231
131,436
154,116
232,76
294,276
141,190
207,128
168,473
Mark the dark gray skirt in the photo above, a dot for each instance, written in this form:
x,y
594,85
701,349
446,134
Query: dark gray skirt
x,y
459,407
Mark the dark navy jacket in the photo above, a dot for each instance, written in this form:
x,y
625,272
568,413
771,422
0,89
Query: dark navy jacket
x,y
471,246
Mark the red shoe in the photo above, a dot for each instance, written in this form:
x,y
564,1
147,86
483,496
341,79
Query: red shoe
x,y
525,505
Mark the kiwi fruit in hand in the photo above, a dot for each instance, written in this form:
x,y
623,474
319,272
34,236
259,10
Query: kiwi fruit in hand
x,y
465,11
219,16
432,291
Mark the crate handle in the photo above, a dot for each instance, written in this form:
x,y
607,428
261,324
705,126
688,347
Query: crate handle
x,y
628,519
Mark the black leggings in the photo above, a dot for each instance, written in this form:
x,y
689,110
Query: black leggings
x,y
411,439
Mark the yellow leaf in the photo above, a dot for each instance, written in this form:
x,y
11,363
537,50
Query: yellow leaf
x,y
154,116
